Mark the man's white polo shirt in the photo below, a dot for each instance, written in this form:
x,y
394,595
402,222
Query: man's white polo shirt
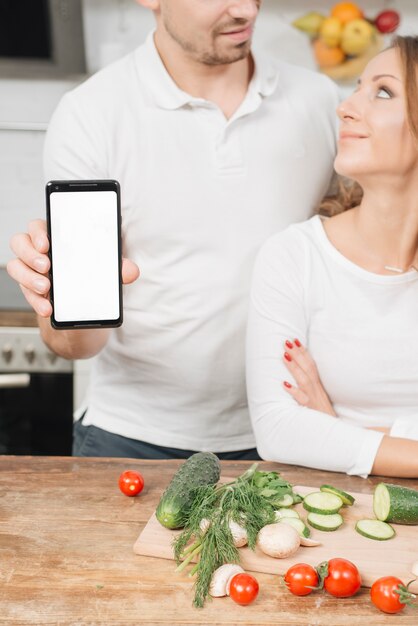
x,y
200,194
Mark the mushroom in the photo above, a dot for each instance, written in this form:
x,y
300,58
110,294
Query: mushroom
x,y
239,534
278,540
414,568
204,525
309,543
221,579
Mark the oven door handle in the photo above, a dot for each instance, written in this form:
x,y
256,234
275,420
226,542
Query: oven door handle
x,y
7,381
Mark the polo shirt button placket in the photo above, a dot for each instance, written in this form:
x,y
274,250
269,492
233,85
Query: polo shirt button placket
x,y
228,152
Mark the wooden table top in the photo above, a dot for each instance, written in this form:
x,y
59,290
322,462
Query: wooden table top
x,y
66,558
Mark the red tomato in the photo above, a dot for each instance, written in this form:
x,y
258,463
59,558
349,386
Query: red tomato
x,y
384,594
299,578
243,588
341,578
131,483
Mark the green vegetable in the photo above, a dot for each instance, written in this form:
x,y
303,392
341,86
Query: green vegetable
x,y
322,503
375,529
287,500
345,497
249,501
275,489
286,512
175,504
298,524
392,503
325,522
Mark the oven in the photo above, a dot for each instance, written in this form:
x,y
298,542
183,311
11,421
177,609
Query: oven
x,y
36,395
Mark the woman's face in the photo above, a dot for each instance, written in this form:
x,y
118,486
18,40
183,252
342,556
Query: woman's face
x,y
375,138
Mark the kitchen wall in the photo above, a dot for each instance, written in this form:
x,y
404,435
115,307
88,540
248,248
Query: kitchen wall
x,y
112,28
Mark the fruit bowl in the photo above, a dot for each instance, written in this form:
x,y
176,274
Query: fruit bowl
x,y
344,41
352,66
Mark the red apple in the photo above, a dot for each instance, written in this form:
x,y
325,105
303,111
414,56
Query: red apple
x,y
387,21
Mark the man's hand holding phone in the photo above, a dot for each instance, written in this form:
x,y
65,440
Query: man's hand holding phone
x,y
31,266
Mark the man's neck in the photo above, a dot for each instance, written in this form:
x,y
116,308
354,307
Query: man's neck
x,y
224,85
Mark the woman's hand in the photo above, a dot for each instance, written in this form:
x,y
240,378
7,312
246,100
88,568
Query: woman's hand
x,y
308,390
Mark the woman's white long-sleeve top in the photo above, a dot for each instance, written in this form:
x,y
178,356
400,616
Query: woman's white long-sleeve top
x,y
361,329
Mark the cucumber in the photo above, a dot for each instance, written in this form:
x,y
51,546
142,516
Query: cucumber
x,y
297,524
375,529
173,509
325,522
281,513
392,503
285,501
297,498
322,503
345,497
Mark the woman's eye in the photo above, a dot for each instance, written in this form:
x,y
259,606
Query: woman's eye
x,y
384,92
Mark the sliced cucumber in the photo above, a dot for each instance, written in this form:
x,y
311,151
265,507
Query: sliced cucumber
x,y
281,513
325,522
375,529
285,501
297,498
323,503
345,497
393,503
297,524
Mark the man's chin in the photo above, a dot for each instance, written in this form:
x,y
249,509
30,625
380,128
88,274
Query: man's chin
x,y
225,57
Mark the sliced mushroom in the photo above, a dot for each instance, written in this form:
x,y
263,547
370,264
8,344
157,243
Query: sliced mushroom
x,y
221,579
309,543
204,525
239,534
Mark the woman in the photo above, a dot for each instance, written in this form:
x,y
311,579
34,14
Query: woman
x,y
346,288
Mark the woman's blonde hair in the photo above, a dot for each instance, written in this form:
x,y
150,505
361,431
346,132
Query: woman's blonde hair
x,y
345,193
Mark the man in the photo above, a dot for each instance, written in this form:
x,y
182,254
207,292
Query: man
x,y
215,150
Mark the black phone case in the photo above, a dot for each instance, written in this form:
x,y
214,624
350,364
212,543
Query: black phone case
x,y
57,186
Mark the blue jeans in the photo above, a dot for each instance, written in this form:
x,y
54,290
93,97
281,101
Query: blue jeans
x,y
93,441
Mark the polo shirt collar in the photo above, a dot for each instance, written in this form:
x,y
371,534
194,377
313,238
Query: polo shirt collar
x,y
167,95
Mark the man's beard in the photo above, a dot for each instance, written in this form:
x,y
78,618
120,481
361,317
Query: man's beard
x,y
212,57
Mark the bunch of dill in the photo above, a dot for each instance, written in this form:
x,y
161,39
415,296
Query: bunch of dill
x,y
249,500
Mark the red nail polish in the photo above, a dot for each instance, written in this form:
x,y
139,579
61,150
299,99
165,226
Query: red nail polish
x,y
287,356
286,384
297,342
289,344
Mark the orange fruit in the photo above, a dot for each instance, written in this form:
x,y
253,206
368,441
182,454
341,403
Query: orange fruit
x,y
346,11
326,56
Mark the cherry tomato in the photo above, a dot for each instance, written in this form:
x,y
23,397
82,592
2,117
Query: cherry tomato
x,y
299,578
341,577
385,594
131,483
243,589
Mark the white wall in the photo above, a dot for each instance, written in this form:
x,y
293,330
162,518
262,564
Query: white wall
x,y
112,28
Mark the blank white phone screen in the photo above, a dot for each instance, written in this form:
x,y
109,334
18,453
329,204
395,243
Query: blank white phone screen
x,y
85,266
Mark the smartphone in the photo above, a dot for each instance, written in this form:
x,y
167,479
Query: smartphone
x,y
84,230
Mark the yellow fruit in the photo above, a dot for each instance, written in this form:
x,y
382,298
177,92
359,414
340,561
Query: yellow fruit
x,y
353,67
326,56
356,37
346,11
309,23
330,32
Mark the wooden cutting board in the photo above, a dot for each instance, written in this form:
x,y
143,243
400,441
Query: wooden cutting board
x,y
373,558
